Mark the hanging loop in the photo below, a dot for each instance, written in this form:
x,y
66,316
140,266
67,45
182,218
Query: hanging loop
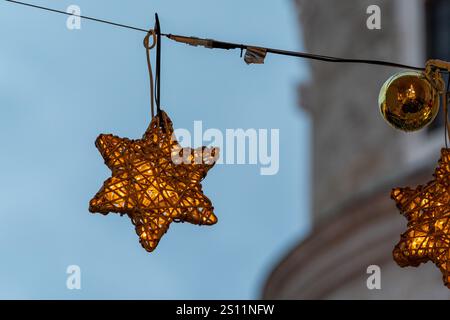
x,y
433,70
148,47
151,33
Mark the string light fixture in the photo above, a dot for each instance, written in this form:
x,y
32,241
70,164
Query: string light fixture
x,y
409,100
154,190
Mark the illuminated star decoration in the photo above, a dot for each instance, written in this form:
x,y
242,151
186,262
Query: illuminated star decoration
x,y
155,181
427,209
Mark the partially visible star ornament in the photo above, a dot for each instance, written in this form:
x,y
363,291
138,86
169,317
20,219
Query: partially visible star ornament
x,y
427,209
155,181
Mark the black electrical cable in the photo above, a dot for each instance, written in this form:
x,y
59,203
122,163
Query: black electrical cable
x,y
158,65
81,16
229,45
158,72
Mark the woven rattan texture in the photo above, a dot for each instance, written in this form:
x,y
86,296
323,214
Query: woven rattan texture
x,y
150,185
427,209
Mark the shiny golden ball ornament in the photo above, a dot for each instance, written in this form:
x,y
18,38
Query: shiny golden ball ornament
x,y
155,181
408,101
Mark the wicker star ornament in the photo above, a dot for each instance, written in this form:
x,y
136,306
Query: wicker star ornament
x,y
155,181
427,209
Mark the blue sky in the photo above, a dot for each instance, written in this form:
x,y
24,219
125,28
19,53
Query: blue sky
x,y
61,88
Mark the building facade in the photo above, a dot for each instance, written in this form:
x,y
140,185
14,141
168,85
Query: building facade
x,y
357,157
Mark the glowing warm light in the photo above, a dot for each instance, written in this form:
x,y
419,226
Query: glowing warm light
x,y
149,187
411,93
427,209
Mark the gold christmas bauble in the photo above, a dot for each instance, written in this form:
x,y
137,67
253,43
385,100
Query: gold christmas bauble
x,y
408,101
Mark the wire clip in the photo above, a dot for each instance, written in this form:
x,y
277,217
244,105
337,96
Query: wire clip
x,y
255,55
